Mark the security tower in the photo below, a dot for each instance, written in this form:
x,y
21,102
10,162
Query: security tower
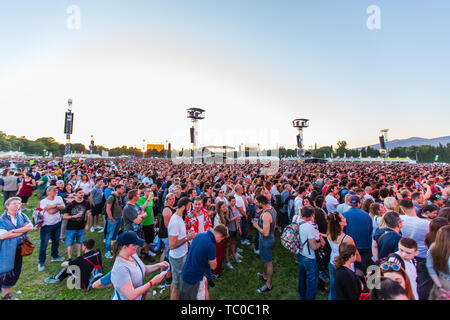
x,y
68,127
300,124
195,114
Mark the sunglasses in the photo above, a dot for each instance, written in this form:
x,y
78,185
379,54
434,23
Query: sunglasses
x,y
387,267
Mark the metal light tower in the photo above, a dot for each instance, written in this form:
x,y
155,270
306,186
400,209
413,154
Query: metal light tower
x,y
384,134
300,124
68,127
195,114
91,146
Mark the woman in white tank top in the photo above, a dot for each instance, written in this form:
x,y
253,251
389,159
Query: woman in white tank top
x,y
336,236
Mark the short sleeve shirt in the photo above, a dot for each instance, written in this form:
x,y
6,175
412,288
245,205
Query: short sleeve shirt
x,y
51,219
177,227
307,231
130,213
122,272
202,250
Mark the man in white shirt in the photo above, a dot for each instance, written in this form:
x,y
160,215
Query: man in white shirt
x,y
341,208
241,205
308,271
332,198
51,225
417,229
298,201
178,244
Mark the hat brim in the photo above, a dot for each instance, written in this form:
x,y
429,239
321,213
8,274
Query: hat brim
x,y
139,242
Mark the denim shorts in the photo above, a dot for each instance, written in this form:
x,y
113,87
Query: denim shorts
x,y
265,248
177,267
71,235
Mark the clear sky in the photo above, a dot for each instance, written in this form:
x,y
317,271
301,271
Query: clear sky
x,y
133,67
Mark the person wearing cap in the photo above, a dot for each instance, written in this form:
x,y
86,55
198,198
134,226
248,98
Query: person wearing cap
x,y
437,201
128,272
360,228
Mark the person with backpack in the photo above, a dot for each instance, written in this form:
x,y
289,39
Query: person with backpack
x,y
310,240
89,267
265,225
405,256
335,237
386,238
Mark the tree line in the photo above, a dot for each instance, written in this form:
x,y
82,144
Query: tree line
x,y
48,145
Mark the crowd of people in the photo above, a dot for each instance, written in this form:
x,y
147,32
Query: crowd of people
x,y
365,231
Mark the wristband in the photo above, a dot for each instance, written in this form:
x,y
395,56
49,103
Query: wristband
x,y
151,284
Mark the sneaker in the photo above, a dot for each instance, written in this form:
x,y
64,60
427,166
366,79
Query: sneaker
x,y
239,250
216,276
239,256
58,259
100,230
150,253
237,260
98,227
92,229
108,255
9,297
41,267
264,288
256,251
228,264
148,258
51,280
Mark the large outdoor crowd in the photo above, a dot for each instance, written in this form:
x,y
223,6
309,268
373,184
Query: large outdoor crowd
x,y
358,231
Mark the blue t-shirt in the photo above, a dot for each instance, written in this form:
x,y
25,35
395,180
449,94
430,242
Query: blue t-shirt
x,y
388,243
108,192
202,250
359,227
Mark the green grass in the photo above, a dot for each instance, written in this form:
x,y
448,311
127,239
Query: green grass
x,y
240,283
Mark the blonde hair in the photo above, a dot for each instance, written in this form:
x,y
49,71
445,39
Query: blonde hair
x,y
168,196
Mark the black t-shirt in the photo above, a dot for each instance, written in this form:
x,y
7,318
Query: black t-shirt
x,y
75,208
86,263
347,284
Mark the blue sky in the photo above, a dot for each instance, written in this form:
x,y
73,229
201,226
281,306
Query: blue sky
x,y
135,66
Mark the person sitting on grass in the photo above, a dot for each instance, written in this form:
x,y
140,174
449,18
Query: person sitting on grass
x,y
81,268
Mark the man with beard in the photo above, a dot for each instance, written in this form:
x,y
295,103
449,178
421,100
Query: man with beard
x,y
178,244
76,213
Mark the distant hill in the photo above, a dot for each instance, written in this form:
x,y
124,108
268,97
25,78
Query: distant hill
x,y
413,141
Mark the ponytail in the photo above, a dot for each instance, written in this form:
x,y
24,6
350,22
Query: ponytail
x,y
346,251
115,248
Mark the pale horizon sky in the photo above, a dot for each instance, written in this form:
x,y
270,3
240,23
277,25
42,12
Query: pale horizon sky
x,y
134,67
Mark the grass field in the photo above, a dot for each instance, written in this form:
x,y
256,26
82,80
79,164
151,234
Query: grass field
x,y
240,283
